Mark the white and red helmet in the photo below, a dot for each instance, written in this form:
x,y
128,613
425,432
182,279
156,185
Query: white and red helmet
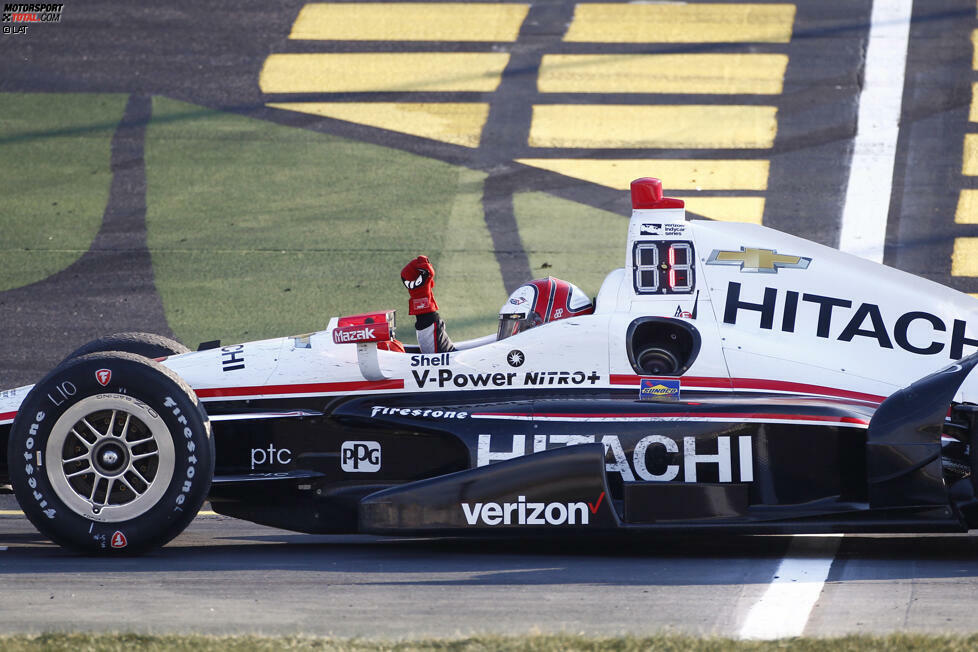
x,y
539,302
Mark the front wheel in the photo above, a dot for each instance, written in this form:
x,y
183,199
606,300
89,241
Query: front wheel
x,y
111,453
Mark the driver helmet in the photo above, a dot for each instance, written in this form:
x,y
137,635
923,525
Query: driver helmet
x,y
539,302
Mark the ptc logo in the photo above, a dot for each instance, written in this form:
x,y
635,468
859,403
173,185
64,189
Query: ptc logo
x,y
103,376
360,456
118,540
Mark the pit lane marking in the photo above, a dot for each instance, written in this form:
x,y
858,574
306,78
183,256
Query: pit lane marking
x,y
688,126
867,202
728,73
422,21
681,23
787,603
367,72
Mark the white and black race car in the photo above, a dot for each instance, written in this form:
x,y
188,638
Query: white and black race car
x,y
731,377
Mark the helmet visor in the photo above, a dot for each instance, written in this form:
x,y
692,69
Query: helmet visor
x,y
513,323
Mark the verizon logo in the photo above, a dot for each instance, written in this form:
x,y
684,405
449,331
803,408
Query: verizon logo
x,y
525,513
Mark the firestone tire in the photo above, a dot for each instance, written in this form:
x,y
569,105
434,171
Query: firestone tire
x,y
111,453
148,345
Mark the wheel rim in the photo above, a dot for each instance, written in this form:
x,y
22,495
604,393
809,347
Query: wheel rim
x,y
110,458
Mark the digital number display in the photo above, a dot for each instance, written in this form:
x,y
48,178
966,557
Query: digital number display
x,y
663,267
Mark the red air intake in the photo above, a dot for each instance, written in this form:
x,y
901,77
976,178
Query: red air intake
x,y
647,194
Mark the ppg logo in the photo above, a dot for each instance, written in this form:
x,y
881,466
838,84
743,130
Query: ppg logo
x,y
360,456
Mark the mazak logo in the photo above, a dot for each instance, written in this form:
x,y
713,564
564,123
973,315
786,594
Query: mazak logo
x,y
525,513
118,540
31,13
359,335
103,376
360,456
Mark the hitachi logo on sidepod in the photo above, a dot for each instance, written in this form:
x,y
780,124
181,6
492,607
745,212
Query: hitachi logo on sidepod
x,y
524,513
365,333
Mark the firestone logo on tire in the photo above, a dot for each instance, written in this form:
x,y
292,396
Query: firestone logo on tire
x,y
103,376
118,540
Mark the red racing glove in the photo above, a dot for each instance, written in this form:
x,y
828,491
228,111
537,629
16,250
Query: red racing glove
x,y
419,279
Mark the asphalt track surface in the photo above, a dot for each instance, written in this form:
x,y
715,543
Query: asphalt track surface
x,y
226,576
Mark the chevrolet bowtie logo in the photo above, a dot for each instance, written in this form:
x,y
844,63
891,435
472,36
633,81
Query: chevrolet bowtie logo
x,y
749,259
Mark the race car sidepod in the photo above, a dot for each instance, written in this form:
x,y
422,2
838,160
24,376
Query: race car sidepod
x,y
564,487
903,443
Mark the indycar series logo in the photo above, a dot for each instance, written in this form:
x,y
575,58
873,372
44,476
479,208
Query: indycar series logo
x,y
663,452
522,512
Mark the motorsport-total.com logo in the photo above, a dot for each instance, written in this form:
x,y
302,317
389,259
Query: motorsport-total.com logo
x,y
24,14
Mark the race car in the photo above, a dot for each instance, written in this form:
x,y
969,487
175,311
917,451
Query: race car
x,y
731,378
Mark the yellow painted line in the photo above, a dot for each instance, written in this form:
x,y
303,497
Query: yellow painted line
x,y
681,23
455,123
372,72
973,114
413,21
726,209
677,174
974,49
663,73
664,127
964,258
967,212
970,164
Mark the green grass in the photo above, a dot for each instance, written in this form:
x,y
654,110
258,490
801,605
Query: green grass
x,y
537,643
570,241
55,155
259,230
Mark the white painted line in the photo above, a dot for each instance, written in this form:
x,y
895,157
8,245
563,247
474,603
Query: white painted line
x,y
3,548
878,125
784,608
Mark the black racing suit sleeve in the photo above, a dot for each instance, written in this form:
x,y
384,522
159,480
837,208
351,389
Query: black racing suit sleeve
x,y
431,334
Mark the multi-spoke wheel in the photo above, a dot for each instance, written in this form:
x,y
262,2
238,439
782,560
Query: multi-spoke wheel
x,y
116,457
111,452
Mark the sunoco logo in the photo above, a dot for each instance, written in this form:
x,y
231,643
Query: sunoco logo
x,y
524,513
655,388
